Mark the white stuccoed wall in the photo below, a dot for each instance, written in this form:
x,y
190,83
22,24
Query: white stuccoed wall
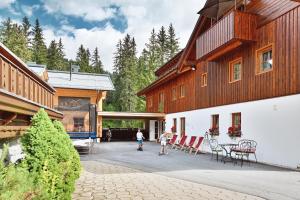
x,y
273,123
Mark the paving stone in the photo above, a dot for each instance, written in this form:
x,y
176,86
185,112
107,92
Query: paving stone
x,y
105,181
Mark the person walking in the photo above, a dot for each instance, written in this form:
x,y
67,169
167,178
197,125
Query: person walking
x,y
163,144
139,138
108,135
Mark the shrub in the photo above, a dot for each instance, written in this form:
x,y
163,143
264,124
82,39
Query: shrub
x,y
50,155
16,182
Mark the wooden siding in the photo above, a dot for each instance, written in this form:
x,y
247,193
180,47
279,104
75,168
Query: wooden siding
x,y
269,10
284,79
235,26
181,103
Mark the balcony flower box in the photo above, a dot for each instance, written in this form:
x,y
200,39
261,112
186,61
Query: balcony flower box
x,y
213,131
234,132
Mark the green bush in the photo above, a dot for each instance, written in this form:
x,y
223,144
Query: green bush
x,y
16,182
50,155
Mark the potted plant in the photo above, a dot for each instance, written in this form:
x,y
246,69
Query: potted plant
x,y
234,132
214,131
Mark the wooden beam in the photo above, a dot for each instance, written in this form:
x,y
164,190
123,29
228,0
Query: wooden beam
x,y
14,104
221,51
9,118
12,131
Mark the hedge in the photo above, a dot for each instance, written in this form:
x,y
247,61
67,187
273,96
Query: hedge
x,y
50,167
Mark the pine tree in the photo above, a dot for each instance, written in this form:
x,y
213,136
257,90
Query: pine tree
x,y
162,45
172,43
26,26
39,49
53,56
96,62
13,37
6,31
82,59
62,62
125,69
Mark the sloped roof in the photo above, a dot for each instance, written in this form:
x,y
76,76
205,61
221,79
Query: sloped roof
x,y
169,64
88,81
37,68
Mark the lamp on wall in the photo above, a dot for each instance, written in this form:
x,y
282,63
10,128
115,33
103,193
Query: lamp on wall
x,y
193,67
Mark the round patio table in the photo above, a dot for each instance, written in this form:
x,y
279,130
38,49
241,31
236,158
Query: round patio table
x,y
227,148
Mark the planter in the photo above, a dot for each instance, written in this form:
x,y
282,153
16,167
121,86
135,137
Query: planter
x,y
235,135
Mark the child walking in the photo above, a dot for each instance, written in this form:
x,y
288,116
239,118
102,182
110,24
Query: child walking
x,y
163,143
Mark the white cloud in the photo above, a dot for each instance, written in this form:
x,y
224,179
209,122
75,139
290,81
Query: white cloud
x,y
28,10
103,38
89,10
6,3
141,15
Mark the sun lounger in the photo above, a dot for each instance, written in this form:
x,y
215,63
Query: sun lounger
x,y
196,148
181,143
172,142
191,143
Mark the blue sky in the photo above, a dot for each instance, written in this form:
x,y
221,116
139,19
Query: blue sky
x,y
101,23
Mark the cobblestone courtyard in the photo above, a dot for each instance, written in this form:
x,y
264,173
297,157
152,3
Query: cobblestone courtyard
x,y
118,171
107,181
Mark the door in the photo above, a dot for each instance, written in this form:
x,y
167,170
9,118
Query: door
x,y
152,130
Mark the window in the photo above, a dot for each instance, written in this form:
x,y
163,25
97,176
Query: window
x,y
174,127
235,70
204,80
173,94
182,126
215,123
264,58
78,124
182,91
236,121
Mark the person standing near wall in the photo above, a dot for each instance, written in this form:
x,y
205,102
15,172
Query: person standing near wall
x,y
163,143
108,135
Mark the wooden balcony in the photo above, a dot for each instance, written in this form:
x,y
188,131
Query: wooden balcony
x,y
22,92
230,32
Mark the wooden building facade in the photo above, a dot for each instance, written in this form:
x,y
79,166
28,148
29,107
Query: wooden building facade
x,y
235,66
78,96
22,94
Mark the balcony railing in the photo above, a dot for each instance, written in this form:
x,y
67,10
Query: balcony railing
x,y
236,27
22,92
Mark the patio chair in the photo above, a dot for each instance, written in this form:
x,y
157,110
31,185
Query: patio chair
x,y
172,142
181,142
244,149
196,148
215,148
190,145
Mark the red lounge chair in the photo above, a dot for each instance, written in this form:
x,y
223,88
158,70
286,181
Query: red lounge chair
x,y
191,143
172,142
182,142
196,148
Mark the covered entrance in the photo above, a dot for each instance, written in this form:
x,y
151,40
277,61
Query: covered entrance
x,y
154,124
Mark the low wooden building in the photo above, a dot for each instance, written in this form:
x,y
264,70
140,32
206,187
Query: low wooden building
x,y
22,94
78,96
240,69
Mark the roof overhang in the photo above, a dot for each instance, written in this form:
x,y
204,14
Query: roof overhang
x,y
13,103
131,115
